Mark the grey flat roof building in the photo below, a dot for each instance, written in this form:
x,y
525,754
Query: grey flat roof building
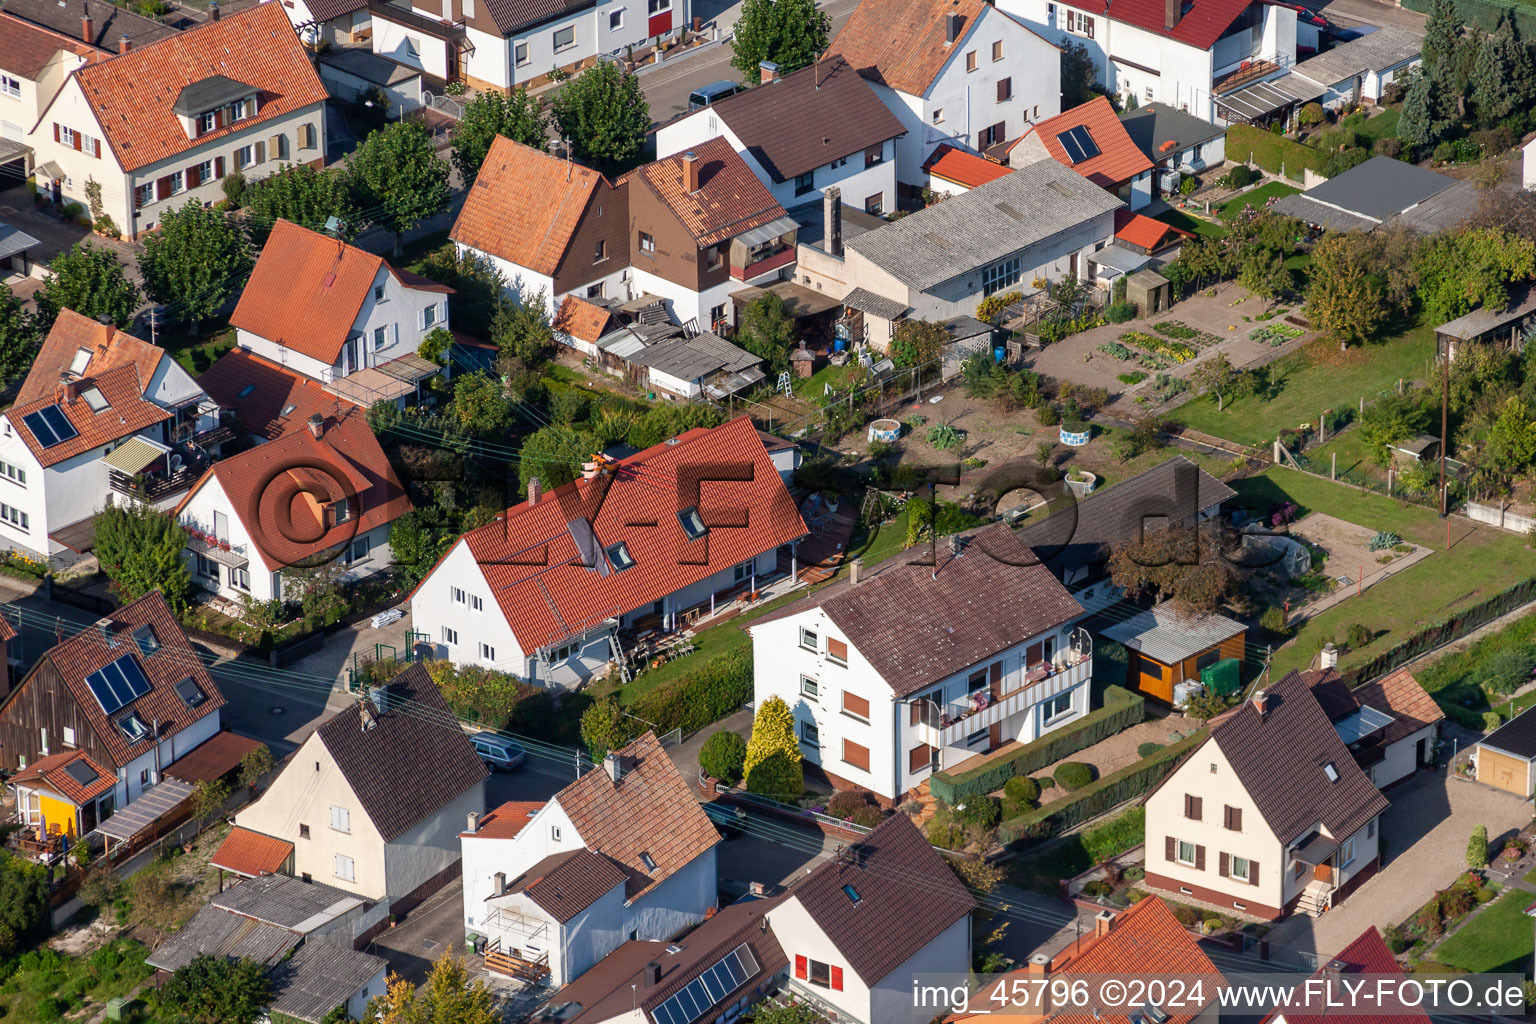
x,y
1375,51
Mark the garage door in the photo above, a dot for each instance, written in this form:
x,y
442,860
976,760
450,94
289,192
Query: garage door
x,y
1502,771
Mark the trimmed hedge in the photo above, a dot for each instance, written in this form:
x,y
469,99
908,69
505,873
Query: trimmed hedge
x,y
1271,151
1122,709
700,698
1096,798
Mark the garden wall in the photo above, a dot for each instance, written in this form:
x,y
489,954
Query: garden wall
x,y
1122,709
1094,799
1503,518
1271,152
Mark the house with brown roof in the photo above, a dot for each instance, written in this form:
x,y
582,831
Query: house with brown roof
x,y
1272,813
846,938
129,692
624,852
952,71
375,798
1092,141
842,135
165,122
321,489
1142,940
339,314
703,226
548,225
1192,55
558,587
912,668
34,62
102,418
1391,724
1318,997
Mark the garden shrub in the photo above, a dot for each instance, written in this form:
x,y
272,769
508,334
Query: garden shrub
x,y
944,831
1048,415
1358,635
1391,93
1021,789
699,698
723,755
846,801
1445,152
1457,901
1148,749
1273,621
1187,916
1507,670
1477,848
1122,709
1073,775
1097,888
1240,176
1310,114
982,812
1491,720
867,817
1120,312
1188,185
1391,146
1135,873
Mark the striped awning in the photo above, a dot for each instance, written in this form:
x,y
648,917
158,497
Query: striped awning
x,y
134,454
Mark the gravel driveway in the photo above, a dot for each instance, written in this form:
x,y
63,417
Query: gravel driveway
x,y
1424,836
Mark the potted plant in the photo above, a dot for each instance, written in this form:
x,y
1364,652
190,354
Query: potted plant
x,y
830,498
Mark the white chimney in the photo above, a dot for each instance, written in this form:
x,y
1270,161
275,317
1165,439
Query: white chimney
x,y
855,570
613,764
474,823
832,221
1330,655
499,880
1103,922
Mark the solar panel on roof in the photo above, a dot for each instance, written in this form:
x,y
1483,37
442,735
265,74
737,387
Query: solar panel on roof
x,y
119,683
81,772
709,989
1078,143
49,426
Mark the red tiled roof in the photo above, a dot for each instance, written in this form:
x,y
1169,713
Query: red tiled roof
x,y
1368,954
172,661
1201,24
650,812
581,319
901,43
132,95
7,631
525,205
1118,159
506,821
280,490
529,557
307,288
729,201
251,854
268,399
963,168
49,771
1146,232
127,412
109,347
1400,695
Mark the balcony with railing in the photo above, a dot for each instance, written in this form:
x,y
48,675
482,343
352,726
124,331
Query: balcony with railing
x,y
941,724
508,951
764,262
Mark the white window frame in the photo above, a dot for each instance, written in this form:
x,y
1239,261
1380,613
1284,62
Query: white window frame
x,y
1347,853
810,640
207,121
519,54
937,116
810,735
1051,712
1178,852
450,636
615,20
1247,868
245,156
476,603
380,338
69,736
1002,274
10,86
14,474
810,689
205,172
178,182
554,38
487,652
240,578
340,861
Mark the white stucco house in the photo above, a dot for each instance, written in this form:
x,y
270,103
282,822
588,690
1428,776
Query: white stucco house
x,y
557,587
374,800
340,315
842,135
165,123
887,687
103,691
1272,813
1391,725
337,22
34,63
102,418
1358,70
1179,144
963,73
846,938
625,852
1185,53
1091,140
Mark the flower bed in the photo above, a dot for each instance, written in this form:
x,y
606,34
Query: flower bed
x,y
14,563
1274,334
1174,350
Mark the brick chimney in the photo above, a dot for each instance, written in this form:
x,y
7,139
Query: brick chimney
x,y
87,26
1039,967
124,44
832,221
691,172
652,974
1173,10
951,28
1103,923
535,490
317,424
213,10
71,391
1261,702
768,70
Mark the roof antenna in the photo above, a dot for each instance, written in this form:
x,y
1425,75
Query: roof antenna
x,y
567,158
933,529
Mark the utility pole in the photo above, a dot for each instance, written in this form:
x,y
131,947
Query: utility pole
x,y
1445,407
154,322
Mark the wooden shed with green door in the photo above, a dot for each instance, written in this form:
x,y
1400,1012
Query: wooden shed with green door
x,y
1166,647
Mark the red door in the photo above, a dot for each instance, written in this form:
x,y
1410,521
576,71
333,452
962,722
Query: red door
x,y
660,24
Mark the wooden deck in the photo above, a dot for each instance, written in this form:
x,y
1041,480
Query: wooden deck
x,y
824,550
513,966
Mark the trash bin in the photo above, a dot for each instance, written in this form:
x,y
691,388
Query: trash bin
x,y
115,1008
480,944
473,942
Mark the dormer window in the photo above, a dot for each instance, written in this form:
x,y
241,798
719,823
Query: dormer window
x,y
237,110
207,122
342,509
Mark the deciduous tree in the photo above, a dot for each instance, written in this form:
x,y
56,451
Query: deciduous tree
x,y
478,287
214,990
479,405
522,330
1079,72
306,195
1389,420
450,996
515,116
18,337
1265,275
140,550
773,766
604,113
1343,301
790,33
605,727
195,262
1459,271
1220,379
1182,565
396,179
767,330
91,281
554,455
23,902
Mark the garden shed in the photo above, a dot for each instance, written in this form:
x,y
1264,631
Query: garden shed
x,y
1149,290
1504,757
1167,647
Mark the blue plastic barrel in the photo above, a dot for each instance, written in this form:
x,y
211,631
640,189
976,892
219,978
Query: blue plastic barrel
x,y
998,354
839,345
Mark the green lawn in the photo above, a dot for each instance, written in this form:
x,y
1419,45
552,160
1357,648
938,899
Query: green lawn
x,y
1477,566
813,388
46,984
197,352
1381,126
1194,225
1257,198
1354,458
1497,941
1302,388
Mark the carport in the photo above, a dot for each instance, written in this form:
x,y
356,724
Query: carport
x,y
1504,756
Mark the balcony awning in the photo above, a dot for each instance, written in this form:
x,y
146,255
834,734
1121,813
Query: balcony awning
x,y
773,229
156,802
134,454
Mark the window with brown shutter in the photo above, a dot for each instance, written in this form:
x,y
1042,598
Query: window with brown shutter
x,y
1199,858
919,758
1233,818
163,187
218,167
96,148
855,705
1225,867
218,119
856,755
261,153
1004,89
1192,807
76,136
837,651
194,176
55,131
997,50
1170,849
1253,872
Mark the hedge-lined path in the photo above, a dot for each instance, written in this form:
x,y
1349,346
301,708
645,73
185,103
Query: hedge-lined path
x,y
1119,751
